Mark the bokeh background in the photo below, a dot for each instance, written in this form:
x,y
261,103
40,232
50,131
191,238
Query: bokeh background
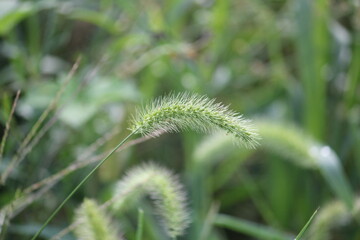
x,y
83,66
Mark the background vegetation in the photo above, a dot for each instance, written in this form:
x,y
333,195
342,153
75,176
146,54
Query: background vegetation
x,y
83,66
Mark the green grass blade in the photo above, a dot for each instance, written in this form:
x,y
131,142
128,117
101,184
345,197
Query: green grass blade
x,y
7,126
303,230
252,229
312,47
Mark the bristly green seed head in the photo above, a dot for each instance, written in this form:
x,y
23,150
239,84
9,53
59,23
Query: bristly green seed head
x,y
164,188
175,112
93,223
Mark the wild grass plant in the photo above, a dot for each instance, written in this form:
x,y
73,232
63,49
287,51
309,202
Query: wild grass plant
x,y
165,190
292,61
171,113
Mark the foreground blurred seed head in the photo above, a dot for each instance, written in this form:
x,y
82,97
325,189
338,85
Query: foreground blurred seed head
x,y
164,188
93,223
177,112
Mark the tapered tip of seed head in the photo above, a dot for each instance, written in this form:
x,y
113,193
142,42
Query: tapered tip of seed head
x,y
248,136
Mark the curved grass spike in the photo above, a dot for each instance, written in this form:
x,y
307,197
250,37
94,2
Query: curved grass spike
x,y
94,223
174,113
291,143
163,187
185,111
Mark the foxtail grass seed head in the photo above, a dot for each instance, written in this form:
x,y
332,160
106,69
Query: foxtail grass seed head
x,y
93,222
184,111
164,188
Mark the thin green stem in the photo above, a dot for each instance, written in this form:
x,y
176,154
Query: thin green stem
x,y
80,184
139,232
7,126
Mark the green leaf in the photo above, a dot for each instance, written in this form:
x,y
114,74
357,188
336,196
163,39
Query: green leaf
x,y
13,12
250,228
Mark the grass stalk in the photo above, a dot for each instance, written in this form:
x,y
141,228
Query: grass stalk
x,y
77,165
46,184
7,126
80,184
140,228
17,158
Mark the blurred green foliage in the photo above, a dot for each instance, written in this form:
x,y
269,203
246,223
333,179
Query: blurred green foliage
x,y
293,65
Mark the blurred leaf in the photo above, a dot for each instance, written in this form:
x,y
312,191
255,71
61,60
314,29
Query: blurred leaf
x,y
331,169
250,228
302,150
102,91
77,113
12,12
312,41
111,89
213,147
40,94
293,145
30,229
97,18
